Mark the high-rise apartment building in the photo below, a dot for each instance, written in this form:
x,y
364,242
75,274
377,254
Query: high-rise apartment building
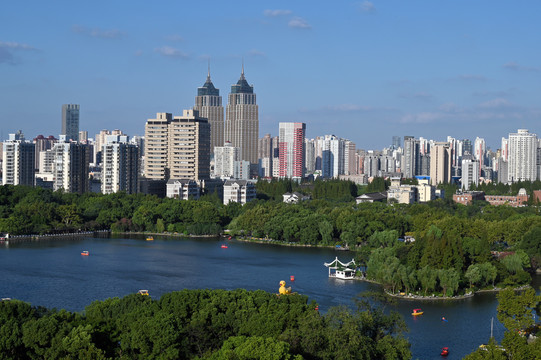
x,y
479,152
331,152
310,157
522,156
292,153
264,156
156,147
411,159
189,147
120,165
242,120
18,161
440,163
42,144
350,167
224,160
70,166
470,173
209,104
396,142
70,121
177,148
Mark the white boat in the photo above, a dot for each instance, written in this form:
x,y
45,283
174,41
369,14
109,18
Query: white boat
x,y
340,270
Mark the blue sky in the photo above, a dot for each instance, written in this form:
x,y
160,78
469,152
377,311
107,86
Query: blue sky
x,y
362,70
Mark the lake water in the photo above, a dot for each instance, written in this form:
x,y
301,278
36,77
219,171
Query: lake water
x,y
52,273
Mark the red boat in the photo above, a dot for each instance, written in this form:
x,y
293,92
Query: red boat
x,y
224,246
444,351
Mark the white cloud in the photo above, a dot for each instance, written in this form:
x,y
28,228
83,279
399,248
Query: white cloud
x,y
368,7
517,67
299,23
7,50
277,12
96,32
171,52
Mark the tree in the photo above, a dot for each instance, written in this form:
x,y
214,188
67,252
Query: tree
x,y
515,311
473,274
427,277
254,348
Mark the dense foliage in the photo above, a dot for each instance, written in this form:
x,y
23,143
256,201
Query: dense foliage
x,y
201,324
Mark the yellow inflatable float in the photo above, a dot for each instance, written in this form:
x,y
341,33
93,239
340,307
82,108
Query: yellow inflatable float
x,y
283,290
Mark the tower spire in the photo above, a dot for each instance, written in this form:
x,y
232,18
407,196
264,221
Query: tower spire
x,y
242,71
208,73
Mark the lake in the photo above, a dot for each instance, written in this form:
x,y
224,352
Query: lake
x,y
52,273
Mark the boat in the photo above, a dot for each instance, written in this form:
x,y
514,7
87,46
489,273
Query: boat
x,y
85,253
340,270
224,246
150,238
417,312
496,346
444,351
143,292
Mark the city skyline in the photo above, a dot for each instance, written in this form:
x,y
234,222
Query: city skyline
x,y
358,68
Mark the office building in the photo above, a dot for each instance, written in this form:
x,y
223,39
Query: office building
x,y
18,161
242,120
292,152
522,164
70,121
120,165
209,104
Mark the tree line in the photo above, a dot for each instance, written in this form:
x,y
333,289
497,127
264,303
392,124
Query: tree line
x,y
202,324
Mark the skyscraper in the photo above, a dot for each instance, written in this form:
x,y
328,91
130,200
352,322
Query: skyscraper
x,y
242,120
209,104
70,122
522,156
292,155
224,160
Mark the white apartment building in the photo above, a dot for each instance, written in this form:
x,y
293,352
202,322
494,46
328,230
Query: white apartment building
x,y
182,189
470,173
240,191
18,158
70,166
522,156
224,160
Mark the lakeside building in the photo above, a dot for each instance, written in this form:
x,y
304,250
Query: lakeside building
x,y
182,189
242,120
120,165
70,121
240,191
18,161
466,198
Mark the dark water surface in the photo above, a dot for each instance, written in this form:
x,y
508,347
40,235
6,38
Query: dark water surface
x,y
52,273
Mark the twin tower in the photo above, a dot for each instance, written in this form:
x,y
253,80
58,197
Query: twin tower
x,y
241,126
